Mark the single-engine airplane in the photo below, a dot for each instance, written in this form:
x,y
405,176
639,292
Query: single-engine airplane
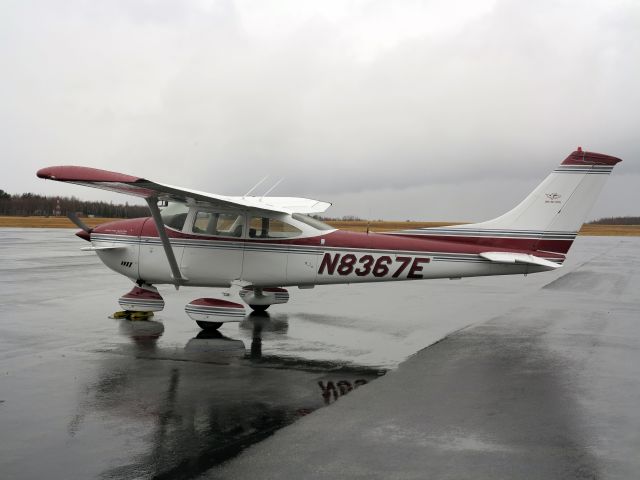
x,y
255,246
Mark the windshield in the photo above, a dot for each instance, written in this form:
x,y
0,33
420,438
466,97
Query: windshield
x,y
312,222
174,215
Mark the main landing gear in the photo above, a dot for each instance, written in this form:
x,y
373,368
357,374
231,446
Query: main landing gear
x,y
259,299
211,313
208,313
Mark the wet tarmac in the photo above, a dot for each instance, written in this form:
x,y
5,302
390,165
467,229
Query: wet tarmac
x,y
86,396
548,388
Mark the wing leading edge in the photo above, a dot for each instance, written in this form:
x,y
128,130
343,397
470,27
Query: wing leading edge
x,y
141,187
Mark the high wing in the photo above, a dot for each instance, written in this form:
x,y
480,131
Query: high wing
x,y
141,187
152,192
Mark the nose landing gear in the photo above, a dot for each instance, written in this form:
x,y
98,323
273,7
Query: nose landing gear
x,y
140,303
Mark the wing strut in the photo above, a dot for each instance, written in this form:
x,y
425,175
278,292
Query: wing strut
x,y
178,279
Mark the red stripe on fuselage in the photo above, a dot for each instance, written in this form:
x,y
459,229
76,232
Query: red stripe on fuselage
x,y
376,241
145,227
520,244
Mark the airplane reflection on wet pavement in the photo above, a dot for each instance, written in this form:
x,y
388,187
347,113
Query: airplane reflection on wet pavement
x,y
204,403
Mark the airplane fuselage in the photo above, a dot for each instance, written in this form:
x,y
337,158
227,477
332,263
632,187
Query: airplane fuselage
x,y
306,258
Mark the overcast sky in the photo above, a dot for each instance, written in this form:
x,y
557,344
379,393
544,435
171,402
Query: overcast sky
x,y
424,110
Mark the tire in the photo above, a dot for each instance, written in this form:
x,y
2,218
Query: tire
x,y
259,308
208,326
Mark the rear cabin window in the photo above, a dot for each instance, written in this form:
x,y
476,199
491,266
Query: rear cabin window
x,y
312,222
174,215
218,224
265,227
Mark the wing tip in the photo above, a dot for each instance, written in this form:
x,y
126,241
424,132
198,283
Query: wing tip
x,y
72,173
45,173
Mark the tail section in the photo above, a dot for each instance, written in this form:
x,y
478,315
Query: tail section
x,y
549,218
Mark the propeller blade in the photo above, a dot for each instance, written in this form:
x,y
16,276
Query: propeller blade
x,y
74,218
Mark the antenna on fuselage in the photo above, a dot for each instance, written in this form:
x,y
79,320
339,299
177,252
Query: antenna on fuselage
x,y
255,186
274,186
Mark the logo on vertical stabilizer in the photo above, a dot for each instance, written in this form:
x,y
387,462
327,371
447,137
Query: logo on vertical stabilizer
x,y
552,198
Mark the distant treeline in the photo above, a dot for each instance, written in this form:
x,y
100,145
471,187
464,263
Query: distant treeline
x,y
30,204
617,221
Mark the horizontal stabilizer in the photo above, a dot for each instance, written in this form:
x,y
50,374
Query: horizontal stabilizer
x,y
509,257
110,247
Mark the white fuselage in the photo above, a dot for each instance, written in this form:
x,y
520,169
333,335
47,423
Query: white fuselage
x,y
310,257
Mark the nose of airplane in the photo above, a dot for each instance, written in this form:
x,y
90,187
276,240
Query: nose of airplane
x,y
83,235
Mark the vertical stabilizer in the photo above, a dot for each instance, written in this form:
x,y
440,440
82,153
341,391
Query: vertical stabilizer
x,y
549,218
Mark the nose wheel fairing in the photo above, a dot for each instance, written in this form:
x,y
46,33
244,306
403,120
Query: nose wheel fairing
x,y
143,298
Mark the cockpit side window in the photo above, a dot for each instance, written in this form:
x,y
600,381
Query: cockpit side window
x,y
218,224
266,227
174,215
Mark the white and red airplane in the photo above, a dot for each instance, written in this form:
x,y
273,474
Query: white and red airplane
x,y
255,246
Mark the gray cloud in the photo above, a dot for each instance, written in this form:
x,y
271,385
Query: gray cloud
x,y
413,110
